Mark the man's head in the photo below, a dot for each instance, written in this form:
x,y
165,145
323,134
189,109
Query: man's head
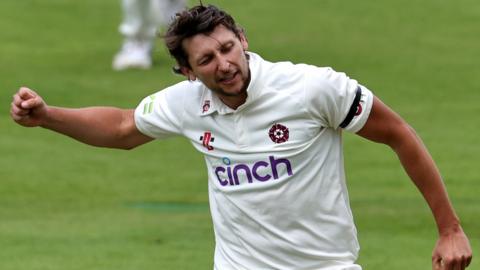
x,y
208,45
196,20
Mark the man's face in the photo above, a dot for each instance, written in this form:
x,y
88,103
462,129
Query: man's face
x,y
218,60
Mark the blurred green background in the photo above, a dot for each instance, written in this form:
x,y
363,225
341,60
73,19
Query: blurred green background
x,y
64,205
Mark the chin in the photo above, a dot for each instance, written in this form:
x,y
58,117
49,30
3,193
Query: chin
x,y
234,92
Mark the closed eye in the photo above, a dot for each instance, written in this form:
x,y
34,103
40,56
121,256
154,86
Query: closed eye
x,y
205,60
226,47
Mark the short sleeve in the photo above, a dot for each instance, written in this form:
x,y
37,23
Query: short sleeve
x,y
160,115
335,100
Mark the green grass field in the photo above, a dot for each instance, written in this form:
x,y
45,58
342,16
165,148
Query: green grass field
x,y
64,205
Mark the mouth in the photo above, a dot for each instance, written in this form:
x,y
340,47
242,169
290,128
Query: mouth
x,y
228,79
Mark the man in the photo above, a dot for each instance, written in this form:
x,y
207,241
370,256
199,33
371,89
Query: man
x,y
271,137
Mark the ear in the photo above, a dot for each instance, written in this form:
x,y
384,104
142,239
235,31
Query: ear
x,y
188,73
244,41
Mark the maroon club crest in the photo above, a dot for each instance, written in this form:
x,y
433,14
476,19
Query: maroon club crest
x,y
278,133
206,106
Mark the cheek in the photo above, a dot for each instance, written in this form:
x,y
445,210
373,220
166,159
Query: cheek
x,y
204,72
245,65
206,75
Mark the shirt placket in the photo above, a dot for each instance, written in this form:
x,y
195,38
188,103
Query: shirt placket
x,y
241,130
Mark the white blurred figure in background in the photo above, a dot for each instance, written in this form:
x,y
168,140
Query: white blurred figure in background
x,y
141,21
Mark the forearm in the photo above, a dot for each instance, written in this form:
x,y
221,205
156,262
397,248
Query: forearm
x,y
421,168
384,126
97,126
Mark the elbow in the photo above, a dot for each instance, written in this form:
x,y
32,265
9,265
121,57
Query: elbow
x,y
114,144
126,135
403,135
127,147
131,140
126,143
124,147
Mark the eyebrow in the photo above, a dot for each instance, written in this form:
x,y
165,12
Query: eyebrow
x,y
220,46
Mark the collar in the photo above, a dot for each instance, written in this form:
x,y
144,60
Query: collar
x,y
210,102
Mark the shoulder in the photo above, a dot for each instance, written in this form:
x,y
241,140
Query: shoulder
x,y
284,74
180,94
325,77
182,90
164,112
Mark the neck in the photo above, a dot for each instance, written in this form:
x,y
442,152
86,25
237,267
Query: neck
x,y
234,101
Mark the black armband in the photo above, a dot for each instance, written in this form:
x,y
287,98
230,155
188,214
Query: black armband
x,y
353,108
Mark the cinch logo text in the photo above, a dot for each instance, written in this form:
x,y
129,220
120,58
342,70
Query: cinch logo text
x,y
261,171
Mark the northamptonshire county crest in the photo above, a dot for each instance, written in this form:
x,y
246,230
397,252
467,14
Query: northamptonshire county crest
x,y
278,133
206,140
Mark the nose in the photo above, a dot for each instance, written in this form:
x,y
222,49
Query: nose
x,y
223,64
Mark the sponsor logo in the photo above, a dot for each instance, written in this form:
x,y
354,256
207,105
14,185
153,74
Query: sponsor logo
x,y
235,174
206,140
278,133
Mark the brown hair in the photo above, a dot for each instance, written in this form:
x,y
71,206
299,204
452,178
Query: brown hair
x,y
199,19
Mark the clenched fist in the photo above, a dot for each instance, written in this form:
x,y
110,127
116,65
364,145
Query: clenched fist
x,y
28,108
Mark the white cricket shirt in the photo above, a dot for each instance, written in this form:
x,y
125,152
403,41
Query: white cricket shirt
x,y
276,178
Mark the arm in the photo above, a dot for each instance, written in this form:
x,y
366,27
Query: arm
x,y
452,250
97,126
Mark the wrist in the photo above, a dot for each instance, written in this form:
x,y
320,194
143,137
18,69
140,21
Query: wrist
x,y
45,117
451,227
